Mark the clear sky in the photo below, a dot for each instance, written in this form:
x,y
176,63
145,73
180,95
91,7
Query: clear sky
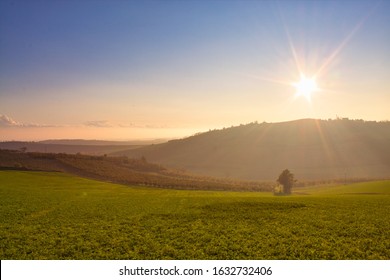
x,y
154,69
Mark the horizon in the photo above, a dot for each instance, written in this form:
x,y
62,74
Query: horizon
x,y
141,70
158,140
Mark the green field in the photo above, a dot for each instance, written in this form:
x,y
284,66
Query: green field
x,y
57,216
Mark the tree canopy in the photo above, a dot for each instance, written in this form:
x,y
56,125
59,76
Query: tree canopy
x,y
286,178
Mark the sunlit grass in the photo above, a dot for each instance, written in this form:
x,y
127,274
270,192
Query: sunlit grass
x,y
56,216
369,188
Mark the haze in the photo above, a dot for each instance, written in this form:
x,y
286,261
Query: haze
x,y
164,69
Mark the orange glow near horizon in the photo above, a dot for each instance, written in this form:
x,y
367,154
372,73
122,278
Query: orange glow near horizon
x,y
92,133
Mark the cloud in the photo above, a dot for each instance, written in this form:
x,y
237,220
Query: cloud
x,y
6,121
99,124
105,123
130,125
133,125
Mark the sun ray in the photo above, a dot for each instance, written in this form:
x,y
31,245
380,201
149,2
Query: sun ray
x,y
306,86
290,42
324,141
329,60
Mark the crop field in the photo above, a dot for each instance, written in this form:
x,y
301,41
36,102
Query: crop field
x,y
49,215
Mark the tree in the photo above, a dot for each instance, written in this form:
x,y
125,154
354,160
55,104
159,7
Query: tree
x,y
286,178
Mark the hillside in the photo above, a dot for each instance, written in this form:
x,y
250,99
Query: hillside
x,y
74,146
103,142
121,170
312,149
69,147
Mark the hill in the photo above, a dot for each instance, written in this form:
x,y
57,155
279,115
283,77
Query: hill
x,y
74,146
102,142
70,146
311,149
121,170
360,188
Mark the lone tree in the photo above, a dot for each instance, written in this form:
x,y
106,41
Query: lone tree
x,y
286,178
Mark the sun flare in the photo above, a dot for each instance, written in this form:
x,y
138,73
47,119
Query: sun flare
x,y
305,87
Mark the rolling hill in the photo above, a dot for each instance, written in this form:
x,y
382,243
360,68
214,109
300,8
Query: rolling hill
x,y
68,147
74,146
122,170
312,149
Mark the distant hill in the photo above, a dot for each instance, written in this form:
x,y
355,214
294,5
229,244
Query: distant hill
x,y
69,147
102,142
311,149
74,146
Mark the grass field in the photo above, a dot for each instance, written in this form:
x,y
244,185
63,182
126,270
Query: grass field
x,y
57,216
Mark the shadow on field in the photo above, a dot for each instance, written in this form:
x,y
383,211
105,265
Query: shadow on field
x,y
256,207
233,210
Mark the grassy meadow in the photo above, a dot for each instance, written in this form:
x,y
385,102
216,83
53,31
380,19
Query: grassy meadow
x,y
50,215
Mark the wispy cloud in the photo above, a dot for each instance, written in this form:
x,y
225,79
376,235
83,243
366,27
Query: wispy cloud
x,y
99,124
105,123
133,125
6,121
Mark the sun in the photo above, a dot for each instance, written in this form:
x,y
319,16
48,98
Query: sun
x,y
305,87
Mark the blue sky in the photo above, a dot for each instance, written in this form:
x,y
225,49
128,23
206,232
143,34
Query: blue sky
x,y
144,69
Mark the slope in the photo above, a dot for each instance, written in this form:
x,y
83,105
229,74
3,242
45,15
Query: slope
x,y
312,149
121,170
